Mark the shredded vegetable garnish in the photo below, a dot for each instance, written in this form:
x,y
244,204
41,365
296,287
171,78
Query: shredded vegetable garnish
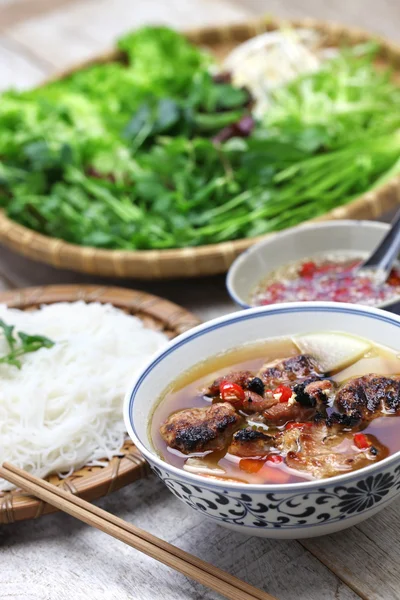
x,y
272,59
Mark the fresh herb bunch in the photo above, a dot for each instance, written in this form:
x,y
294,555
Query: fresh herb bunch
x,y
346,100
21,345
155,152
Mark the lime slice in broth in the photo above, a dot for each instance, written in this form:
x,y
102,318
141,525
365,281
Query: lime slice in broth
x,y
332,350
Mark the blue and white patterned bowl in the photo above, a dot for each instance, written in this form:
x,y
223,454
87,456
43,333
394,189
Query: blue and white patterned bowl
x,y
282,510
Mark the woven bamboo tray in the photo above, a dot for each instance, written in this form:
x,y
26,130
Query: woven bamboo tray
x,y
94,482
215,258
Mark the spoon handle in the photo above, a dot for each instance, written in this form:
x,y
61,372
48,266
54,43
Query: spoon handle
x,y
386,253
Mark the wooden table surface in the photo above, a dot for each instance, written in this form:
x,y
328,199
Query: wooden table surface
x,y
59,558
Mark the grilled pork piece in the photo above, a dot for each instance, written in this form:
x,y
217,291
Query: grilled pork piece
x,y
288,370
325,452
282,412
249,442
309,397
301,373
201,429
370,396
254,403
241,378
320,391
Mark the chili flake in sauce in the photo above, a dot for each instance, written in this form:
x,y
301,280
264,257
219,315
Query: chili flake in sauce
x,y
334,279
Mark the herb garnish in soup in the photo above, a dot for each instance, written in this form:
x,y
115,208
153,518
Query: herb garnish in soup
x,y
283,411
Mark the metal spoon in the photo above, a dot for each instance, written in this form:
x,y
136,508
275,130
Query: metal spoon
x,y
383,257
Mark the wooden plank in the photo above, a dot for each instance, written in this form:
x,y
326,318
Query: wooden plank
x,y
80,31
4,284
16,69
95,566
15,11
367,556
206,297
380,17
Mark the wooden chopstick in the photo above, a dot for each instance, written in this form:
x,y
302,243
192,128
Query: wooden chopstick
x,y
227,585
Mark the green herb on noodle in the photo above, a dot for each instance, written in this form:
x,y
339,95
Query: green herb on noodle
x,y
20,345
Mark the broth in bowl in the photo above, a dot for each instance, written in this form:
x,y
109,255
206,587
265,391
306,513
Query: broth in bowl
x,y
283,411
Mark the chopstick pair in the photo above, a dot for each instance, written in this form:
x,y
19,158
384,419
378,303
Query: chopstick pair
x,y
225,584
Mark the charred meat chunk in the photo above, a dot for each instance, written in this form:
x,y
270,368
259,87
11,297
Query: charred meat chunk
x,y
318,391
370,396
250,442
303,397
282,412
241,378
289,370
201,429
310,398
347,421
254,403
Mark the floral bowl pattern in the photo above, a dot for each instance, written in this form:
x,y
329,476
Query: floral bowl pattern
x,y
281,510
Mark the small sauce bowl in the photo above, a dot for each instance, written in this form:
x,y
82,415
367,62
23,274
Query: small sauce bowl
x,y
358,238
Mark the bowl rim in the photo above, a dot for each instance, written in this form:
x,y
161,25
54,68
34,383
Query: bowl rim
x,y
255,248
229,320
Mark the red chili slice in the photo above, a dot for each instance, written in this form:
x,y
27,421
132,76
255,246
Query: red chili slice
x,y
284,391
361,441
232,392
308,269
275,458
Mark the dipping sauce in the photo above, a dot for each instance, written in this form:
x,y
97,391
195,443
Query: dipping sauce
x,y
331,278
264,413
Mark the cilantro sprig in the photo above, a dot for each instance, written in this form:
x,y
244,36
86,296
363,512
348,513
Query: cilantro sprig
x,y
20,343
